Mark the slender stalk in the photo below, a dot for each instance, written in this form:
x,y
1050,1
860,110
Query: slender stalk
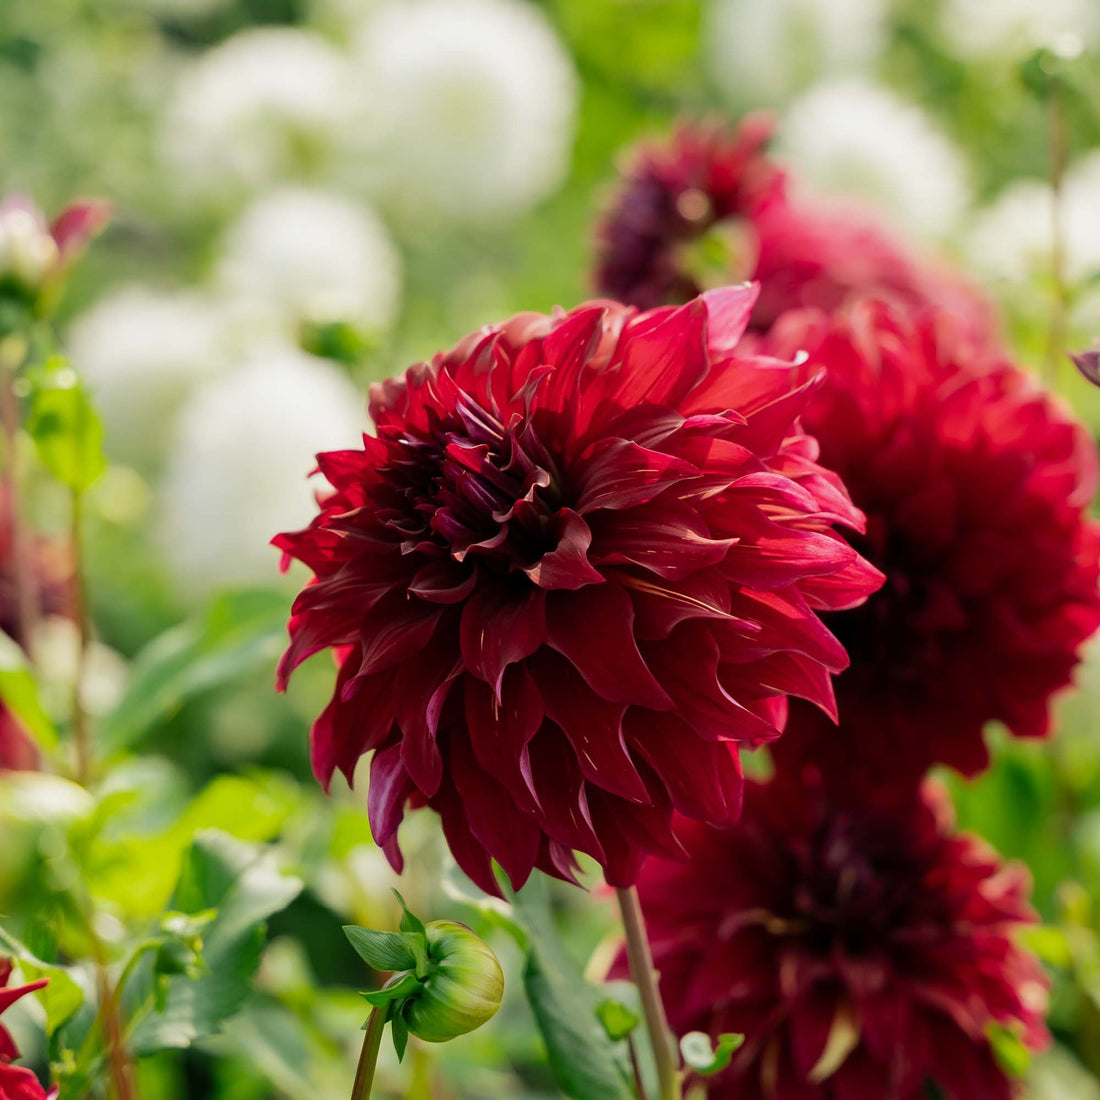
x,y
13,350
81,733
122,1082
368,1059
645,978
1059,292
636,1069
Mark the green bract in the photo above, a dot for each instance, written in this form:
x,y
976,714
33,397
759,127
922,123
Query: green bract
x,y
446,979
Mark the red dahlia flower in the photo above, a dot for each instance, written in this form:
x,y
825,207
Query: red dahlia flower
x,y
863,949
581,554
975,485
16,1083
708,207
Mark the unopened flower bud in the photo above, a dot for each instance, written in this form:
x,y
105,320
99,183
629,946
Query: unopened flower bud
x,y
28,252
462,988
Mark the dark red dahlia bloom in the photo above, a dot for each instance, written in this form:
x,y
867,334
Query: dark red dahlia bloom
x,y
16,1083
863,948
708,207
582,553
975,484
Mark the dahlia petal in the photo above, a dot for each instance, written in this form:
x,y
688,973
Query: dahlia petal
x,y
563,800
396,630
697,781
617,473
500,730
667,538
728,311
469,853
419,692
510,836
788,624
567,565
592,629
594,729
500,626
390,787
443,582
771,555
658,608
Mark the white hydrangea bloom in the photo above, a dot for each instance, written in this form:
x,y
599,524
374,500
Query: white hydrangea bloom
x,y
476,103
140,352
850,138
762,52
299,254
260,105
1013,28
237,476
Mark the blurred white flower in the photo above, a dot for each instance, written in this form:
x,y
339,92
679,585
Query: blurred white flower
x,y
762,52
266,103
1010,241
299,254
850,138
237,476
476,103
56,643
1013,28
140,352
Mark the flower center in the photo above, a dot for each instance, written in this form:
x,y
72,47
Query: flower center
x,y
472,486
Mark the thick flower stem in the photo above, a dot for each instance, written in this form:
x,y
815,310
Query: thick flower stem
x,y
368,1059
645,978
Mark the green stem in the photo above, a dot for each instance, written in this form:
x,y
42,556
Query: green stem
x,y
81,733
645,978
1059,296
368,1059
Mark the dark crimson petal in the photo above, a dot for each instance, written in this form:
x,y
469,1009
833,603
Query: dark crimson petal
x,y
567,565
469,853
701,781
396,629
659,607
390,788
419,693
592,629
509,835
562,797
666,538
500,730
501,625
593,726
443,582
617,473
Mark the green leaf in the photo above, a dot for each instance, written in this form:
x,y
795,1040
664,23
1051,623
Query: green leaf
x,y
410,922
19,693
241,882
400,1033
37,798
381,950
406,985
66,429
585,1061
618,1020
704,1059
1010,1051
238,632
62,997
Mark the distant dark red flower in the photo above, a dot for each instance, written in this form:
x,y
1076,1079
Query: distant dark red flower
x,y
708,207
51,567
975,484
582,553
862,948
16,1083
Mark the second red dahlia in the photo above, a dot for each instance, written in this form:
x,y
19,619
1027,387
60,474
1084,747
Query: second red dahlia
x,y
581,554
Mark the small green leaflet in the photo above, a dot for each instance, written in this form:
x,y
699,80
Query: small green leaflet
x,y
704,1059
66,429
